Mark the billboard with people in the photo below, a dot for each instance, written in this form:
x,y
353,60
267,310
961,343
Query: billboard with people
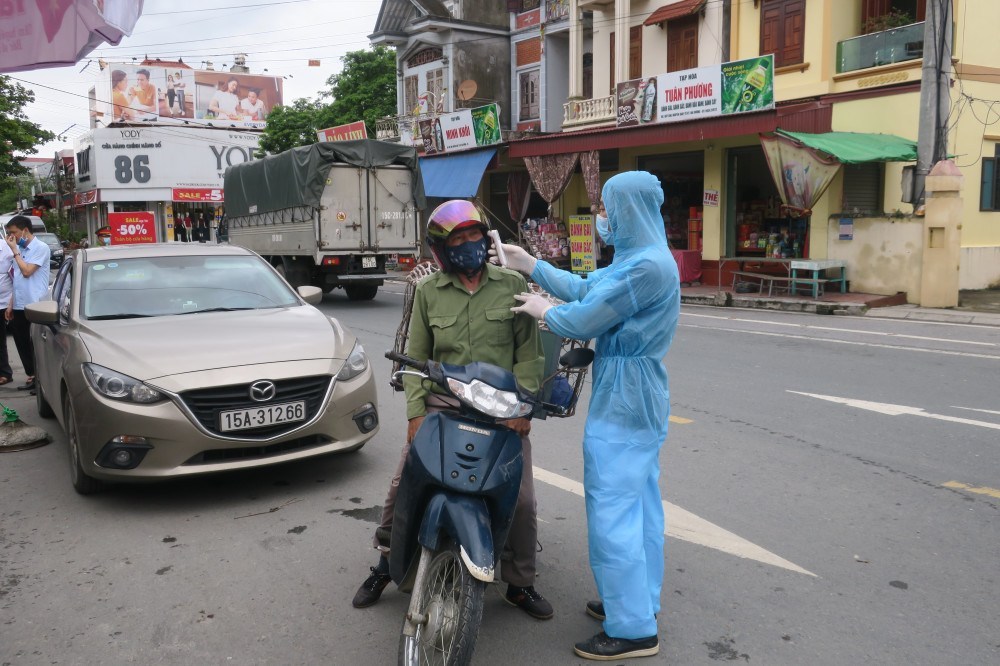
x,y
172,94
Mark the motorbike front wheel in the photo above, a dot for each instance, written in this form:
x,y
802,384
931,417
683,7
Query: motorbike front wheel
x,y
447,619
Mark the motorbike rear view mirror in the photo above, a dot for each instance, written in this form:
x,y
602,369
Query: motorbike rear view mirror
x,y
580,357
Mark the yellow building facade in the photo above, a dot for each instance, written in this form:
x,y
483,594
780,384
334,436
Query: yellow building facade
x,y
840,66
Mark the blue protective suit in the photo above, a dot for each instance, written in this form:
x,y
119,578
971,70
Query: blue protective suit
x,y
631,307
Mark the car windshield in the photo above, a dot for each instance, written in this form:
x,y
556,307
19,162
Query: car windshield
x,y
48,239
179,285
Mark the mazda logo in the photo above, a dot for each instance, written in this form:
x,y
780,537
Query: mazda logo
x,y
262,391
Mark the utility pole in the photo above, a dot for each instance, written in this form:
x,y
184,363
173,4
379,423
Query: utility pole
x,y
935,98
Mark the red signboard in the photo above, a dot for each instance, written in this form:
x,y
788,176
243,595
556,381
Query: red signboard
x,y
130,228
356,130
197,194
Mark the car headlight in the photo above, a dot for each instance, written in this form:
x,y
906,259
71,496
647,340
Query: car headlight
x,y
355,363
117,386
489,399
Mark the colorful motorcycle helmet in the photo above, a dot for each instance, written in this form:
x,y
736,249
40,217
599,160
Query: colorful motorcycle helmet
x,y
449,217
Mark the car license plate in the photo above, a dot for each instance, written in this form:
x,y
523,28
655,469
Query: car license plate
x,y
259,417
368,262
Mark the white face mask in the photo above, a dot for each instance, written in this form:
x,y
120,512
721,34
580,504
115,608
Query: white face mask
x,y
603,229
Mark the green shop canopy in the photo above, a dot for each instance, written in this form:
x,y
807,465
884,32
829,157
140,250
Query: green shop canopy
x,y
858,147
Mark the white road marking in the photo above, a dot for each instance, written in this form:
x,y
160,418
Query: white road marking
x,y
973,409
898,410
855,343
848,330
895,319
684,525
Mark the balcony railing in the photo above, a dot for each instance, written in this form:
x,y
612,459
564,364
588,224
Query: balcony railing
x,y
881,48
589,111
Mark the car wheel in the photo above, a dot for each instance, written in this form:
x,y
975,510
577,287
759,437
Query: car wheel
x,y
83,484
361,292
296,273
43,406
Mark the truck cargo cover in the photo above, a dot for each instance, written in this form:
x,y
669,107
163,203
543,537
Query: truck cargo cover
x,y
297,177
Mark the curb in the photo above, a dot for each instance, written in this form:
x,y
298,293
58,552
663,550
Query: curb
x,y
725,299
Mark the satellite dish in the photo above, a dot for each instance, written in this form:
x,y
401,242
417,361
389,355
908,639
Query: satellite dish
x,y
467,89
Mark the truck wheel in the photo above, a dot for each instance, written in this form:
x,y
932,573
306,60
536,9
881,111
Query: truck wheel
x,y
295,273
361,292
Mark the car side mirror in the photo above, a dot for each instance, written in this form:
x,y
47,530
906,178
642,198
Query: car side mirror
x,y
43,312
310,294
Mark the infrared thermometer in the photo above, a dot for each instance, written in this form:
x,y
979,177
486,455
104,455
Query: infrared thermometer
x,y
495,237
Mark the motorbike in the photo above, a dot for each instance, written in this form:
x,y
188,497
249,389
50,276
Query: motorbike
x,y
456,501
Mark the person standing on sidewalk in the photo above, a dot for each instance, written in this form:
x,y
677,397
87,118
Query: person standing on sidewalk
x,y
631,307
462,314
31,284
6,296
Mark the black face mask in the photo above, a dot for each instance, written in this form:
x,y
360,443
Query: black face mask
x,y
469,257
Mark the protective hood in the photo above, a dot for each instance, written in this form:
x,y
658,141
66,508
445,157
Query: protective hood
x,y
633,201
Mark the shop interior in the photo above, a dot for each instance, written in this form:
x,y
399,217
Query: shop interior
x,y
195,221
755,226
682,177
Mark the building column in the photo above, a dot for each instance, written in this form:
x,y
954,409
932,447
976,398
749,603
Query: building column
x,y
942,237
575,50
623,10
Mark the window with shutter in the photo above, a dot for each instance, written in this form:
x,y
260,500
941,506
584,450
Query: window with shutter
x,y
435,86
528,89
863,188
410,94
635,52
782,30
682,43
634,55
989,185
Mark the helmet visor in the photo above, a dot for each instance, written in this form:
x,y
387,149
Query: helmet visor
x,y
451,216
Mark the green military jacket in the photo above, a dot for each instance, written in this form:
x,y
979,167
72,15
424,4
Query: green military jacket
x,y
450,325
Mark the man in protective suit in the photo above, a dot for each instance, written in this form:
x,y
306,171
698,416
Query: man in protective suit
x,y
631,307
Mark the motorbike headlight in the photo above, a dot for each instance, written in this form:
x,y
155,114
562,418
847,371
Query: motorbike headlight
x,y
117,386
489,399
355,363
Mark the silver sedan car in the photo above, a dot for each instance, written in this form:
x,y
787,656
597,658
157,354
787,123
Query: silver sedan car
x,y
178,359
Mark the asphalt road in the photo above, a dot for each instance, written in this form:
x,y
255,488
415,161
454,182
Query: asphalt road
x,y
832,499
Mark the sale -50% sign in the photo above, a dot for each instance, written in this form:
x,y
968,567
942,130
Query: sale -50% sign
x,y
131,228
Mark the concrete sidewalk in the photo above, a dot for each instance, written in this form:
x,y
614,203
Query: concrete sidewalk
x,y
980,307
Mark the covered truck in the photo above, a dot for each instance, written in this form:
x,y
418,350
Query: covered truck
x,y
329,214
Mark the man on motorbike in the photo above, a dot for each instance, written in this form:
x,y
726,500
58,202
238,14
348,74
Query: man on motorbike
x,y
631,307
463,314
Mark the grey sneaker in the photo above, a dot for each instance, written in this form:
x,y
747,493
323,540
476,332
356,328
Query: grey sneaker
x,y
605,648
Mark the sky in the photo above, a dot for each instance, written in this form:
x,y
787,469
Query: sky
x,y
279,36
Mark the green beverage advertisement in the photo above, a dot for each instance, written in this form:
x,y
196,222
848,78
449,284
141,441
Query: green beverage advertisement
x,y
486,124
748,85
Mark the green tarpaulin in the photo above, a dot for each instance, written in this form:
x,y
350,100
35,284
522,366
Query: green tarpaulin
x,y
297,177
857,147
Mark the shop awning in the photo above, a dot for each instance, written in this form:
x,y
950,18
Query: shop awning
x,y
674,10
456,175
858,147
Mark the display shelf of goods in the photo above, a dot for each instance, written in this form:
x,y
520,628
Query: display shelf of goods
x,y
545,238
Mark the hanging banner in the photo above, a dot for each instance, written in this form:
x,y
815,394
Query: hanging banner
x,y
465,129
581,244
801,173
741,86
348,132
132,228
